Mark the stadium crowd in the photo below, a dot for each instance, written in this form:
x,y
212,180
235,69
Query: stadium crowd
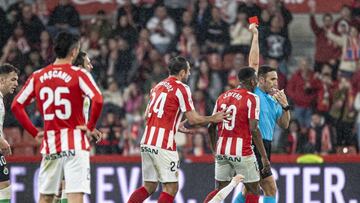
x,y
130,50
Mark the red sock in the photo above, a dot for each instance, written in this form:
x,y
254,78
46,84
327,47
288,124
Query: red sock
x,y
211,195
139,195
251,198
165,198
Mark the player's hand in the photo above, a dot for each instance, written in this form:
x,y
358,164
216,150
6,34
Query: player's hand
x,y
253,28
238,178
39,137
221,116
4,147
281,97
96,134
183,129
266,165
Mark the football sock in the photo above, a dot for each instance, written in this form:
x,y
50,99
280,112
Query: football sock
x,y
211,195
139,195
251,198
239,198
165,198
269,199
63,197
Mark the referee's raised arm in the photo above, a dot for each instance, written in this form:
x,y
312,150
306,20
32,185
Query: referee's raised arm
x,y
254,54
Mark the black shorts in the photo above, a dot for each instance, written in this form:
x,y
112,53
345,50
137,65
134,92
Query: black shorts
x,y
267,145
4,170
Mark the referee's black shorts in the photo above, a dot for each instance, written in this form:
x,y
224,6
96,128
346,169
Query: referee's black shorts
x,y
267,145
4,170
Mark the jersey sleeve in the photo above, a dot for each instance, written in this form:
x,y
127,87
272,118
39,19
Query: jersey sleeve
x,y
253,104
183,94
22,99
90,89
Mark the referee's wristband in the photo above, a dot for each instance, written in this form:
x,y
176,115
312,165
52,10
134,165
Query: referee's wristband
x,y
287,108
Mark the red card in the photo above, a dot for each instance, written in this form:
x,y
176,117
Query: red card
x,y
254,19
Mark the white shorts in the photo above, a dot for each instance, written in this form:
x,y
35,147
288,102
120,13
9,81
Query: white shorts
x,y
228,166
159,165
74,166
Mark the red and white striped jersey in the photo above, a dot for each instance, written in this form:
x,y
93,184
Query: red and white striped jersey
x,y
169,100
59,91
234,135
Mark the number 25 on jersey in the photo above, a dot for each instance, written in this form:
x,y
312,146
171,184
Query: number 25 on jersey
x,y
53,97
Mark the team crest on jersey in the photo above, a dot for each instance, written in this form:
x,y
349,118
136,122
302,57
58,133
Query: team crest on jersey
x,y
6,171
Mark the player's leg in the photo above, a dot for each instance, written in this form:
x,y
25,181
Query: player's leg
x,y
226,189
77,175
150,177
168,163
48,187
63,198
249,168
268,185
253,192
5,187
223,175
267,182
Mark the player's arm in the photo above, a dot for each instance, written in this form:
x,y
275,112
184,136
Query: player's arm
x,y
22,99
183,94
212,136
90,89
254,54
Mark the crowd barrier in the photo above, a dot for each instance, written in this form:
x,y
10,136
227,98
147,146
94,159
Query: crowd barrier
x,y
113,178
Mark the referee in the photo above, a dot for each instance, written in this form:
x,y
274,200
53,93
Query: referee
x,y
274,109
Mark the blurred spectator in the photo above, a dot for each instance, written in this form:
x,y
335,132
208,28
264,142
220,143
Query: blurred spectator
x,y
46,47
319,134
217,32
325,90
228,9
342,112
290,138
274,41
111,136
5,28
101,24
162,29
31,24
125,30
202,17
277,8
129,10
332,52
199,146
350,44
251,7
176,8
240,35
186,40
344,21
301,90
64,17
113,97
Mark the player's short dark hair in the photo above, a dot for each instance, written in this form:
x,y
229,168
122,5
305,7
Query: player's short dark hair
x,y
7,68
64,43
246,73
80,59
177,64
327,15
263,70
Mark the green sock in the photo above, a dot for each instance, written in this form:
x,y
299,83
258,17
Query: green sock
x,y
62,200
4,200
